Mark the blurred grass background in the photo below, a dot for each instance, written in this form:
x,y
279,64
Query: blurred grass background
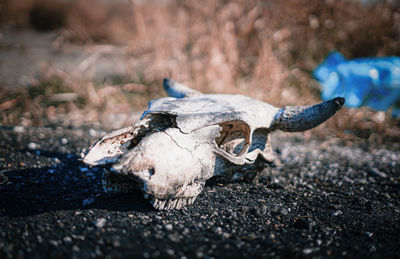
x,y
264,49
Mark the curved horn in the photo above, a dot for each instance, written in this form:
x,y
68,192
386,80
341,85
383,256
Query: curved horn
x,y
300,118
178,90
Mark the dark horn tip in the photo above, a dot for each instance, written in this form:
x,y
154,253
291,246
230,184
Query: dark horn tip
x,y
339,101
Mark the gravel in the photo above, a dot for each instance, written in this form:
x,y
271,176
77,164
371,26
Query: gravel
x,y
328,198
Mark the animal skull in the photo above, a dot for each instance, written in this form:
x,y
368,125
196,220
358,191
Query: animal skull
x,y
183,140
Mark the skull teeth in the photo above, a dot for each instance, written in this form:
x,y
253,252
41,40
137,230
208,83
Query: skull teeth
x,y
171,204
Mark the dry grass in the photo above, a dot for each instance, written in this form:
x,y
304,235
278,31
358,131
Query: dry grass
x,y
265,49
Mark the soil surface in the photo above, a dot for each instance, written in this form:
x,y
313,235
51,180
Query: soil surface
x,y
328,198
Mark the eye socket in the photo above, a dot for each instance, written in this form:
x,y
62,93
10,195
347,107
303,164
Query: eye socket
x,y
234,137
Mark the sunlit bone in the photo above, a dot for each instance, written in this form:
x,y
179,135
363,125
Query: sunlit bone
x,y
183,140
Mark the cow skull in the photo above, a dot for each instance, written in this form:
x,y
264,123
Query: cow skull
x,y
183,140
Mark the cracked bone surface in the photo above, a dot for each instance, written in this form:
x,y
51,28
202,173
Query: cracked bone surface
x,y
183,140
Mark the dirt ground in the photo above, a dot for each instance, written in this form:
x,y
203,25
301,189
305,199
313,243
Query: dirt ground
x,y
329,198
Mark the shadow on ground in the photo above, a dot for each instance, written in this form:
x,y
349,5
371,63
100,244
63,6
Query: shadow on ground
x,y
67,185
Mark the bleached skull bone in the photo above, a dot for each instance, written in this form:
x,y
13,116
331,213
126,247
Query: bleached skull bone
x,y
183,140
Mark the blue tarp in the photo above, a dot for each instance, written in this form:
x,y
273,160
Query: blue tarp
x,y
374,82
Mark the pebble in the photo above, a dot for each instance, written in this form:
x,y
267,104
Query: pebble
x,y
3,178
116,243
53,242
174,237
100,222
88,201
170,252
33,146
263,210
64,141
19,129
67,239
92,133
375,172
336,213
369,234
199,254
169,227
307,251
272,236
83,169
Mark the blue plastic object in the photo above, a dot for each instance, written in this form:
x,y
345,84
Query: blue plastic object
x,y
374,82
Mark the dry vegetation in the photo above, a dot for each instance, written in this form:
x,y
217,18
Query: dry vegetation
x,y
265,49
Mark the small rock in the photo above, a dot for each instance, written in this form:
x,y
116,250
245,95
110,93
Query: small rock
x,y
168,227
88,201
67,239
56,161
33,146
3,178
375,172
199,254
263,210
307,251
100,222
174,237
19,129
369,234
170,252
92,133
53,242
336,213
272,236
83,169
79,237
64,141
116,243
